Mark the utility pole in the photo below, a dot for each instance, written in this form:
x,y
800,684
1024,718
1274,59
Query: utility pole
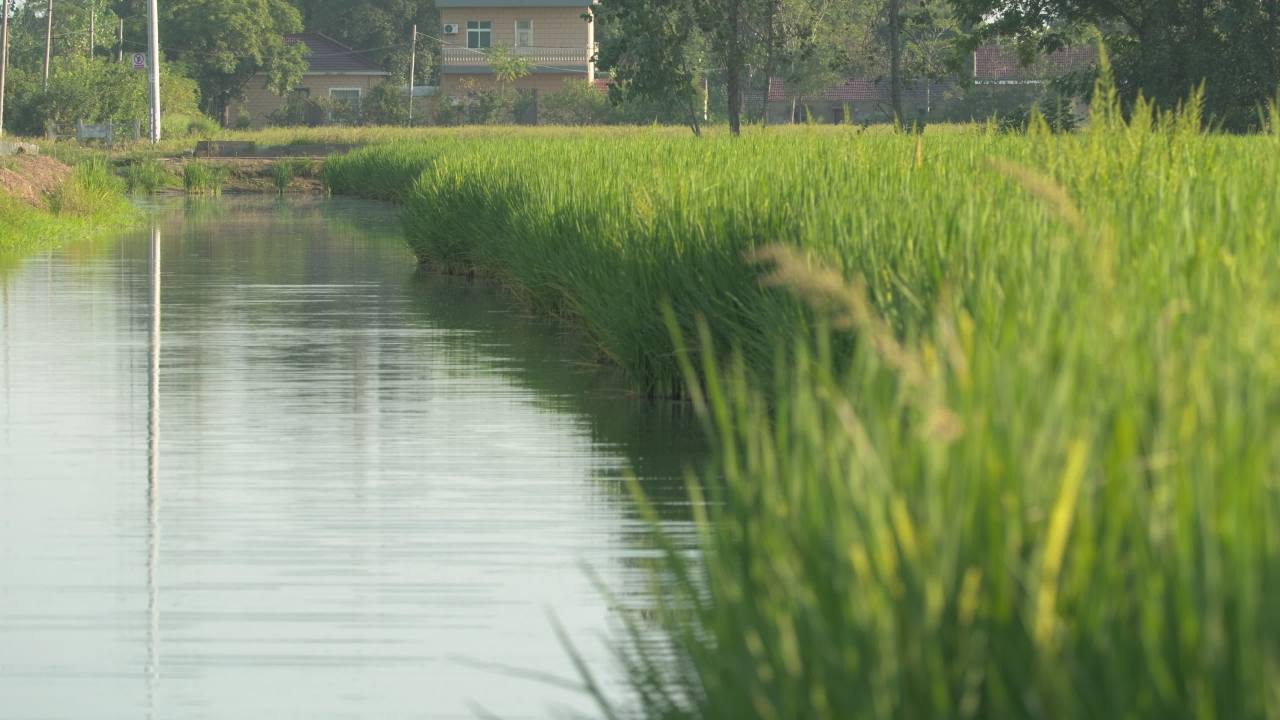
x,y
153,61
48,43
895,61
120,42
93,27
412,68
4,60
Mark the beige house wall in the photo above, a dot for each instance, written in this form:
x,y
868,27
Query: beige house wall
x,y
553,27
261,102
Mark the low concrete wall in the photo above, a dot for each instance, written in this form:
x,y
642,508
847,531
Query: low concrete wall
x,y
238,149
18,148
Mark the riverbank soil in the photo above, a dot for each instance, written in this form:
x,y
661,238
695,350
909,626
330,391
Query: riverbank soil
x,y
258,175
30,179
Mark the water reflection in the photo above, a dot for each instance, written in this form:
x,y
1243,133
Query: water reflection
x,y
375,483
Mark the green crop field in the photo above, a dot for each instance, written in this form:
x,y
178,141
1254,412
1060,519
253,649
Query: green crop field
x,y
997,416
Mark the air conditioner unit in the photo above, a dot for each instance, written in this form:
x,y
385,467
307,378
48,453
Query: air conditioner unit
x,y
451,29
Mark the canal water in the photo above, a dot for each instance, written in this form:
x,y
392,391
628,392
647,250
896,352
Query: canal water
x,y
254,464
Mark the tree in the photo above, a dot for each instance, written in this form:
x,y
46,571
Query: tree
x,y
931,37
657,53
1162,50
225,42
379,29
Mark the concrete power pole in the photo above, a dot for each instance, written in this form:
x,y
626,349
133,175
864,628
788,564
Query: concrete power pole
x,y
93,28
412,68
120,42
4,60
48,43
153,62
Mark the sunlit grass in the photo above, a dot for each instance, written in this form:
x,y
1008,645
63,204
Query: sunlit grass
x,y
997,416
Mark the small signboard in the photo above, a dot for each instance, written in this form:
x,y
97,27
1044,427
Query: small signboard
x,y
139,61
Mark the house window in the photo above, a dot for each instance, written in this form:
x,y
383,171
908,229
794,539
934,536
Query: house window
x,y
524,33
479,34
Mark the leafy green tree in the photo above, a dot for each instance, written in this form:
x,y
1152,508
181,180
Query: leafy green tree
x,y
225,42
1162,49
379,29
657,54
931,43
98,90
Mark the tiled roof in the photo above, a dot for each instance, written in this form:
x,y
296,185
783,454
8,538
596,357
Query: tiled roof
x,y
992,63
328,56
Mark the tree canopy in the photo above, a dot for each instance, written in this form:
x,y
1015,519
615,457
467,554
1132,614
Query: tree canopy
x,y
1162,49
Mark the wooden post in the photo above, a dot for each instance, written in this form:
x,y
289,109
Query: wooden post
x,y
4,60
48,43
413,67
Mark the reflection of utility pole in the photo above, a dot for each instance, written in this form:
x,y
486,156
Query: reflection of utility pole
x,y
4,59
413,67
153,466
48,42
153,59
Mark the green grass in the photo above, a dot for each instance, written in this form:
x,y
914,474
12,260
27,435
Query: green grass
x,y
201,178
283,172
146,175
89,204
997,416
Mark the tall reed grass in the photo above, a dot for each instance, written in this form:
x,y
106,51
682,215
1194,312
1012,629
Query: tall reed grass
x,y
201,178
997,417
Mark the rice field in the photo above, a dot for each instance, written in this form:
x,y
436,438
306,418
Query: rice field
x,y
997,416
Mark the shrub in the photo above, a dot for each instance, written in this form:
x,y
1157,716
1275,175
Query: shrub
x,y
577,102
385,104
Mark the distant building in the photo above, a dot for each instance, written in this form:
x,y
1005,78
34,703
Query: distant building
x,y
551,34
999,80
333,70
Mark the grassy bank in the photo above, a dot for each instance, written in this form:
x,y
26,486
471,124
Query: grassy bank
x,y
997,417
89,201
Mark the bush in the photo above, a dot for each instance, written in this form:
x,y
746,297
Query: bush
x,y
94,91
244,120
386,104
576,103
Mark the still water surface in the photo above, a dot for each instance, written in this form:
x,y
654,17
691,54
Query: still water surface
x,y
293,477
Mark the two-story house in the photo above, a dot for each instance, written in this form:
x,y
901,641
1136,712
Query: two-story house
x,y
551,34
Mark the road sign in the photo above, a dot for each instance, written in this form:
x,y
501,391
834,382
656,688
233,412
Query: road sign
x,y
139,61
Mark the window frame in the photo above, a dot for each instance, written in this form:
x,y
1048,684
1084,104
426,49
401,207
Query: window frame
x,y
529,21
483,29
